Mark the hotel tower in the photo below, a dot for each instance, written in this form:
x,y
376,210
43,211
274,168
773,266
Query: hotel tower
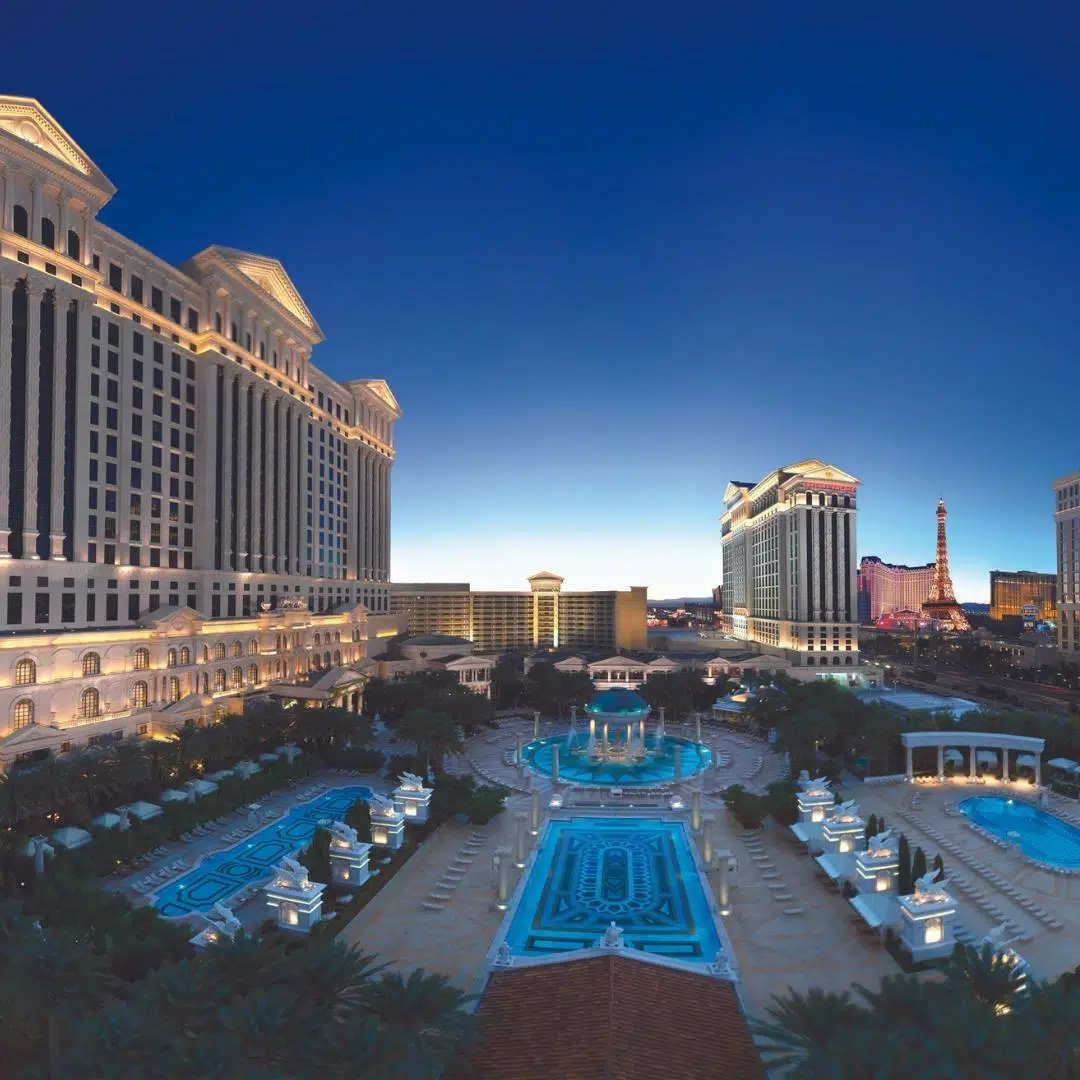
x,y
790,570
180,486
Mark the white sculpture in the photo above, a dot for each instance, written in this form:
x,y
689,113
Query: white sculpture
x,y
503,956
227,922
804,776
344,833
997,939
292,875
613,937
408,781
926,883
381,804
846,809
877,843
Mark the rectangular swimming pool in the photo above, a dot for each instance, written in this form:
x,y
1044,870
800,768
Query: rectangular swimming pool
x,y
216,877
636,872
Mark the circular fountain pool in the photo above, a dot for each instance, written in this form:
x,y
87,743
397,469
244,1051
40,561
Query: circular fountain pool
x,y
618,764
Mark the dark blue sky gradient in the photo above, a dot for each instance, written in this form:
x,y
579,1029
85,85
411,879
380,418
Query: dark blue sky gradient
x,y
611,255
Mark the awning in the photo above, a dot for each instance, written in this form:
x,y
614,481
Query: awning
x,y
838,867
69,837
172,795
108,820
144,811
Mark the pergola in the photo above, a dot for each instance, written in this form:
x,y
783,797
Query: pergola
x,y
988,740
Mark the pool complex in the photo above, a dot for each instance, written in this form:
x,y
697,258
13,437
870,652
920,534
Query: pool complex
x,y
1041,835
658,767
218,876
639,873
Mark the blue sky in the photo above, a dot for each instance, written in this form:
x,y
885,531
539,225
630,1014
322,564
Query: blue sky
x,y
609,256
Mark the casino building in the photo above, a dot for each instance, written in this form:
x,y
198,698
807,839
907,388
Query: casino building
x,y
788,544
187,504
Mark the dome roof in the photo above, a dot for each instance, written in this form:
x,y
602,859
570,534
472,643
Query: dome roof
x,y
617,703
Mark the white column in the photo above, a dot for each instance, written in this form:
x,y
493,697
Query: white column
x,y
677,750
301,490
941,761
386,522
7,283
534,812
695,811
910,770
224,470
697,726
61,223
280,565
34,294
972,765
1004,763
503,855
555,763
352,540
536,724
723,881
84,305
211,472
256,476
521,821
242,472
707,841
1038,770
56,508
5,199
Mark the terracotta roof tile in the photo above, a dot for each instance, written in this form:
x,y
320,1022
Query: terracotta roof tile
x,y
609,1018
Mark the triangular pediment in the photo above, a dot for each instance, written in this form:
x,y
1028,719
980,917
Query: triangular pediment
x,y
31,123
618,662
815,469
269,277
381,389
173,620
27,738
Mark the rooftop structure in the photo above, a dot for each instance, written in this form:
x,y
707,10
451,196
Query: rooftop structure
x,y
941,605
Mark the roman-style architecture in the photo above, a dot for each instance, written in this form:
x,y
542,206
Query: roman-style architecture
x,y
166,446
789,564
545,617
1067,525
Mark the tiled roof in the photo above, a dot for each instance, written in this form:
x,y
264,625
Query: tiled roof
x,y
609,1018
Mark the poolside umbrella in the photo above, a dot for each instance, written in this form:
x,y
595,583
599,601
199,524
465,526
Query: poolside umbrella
x,y
144,811
109,820
70,838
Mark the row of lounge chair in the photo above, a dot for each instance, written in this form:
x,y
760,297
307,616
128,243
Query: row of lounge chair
x,y
159,877
454,873
312,792
755,849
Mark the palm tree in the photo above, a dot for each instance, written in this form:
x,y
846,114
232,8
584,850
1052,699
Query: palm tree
x,y
337,978
804,1027
992,977
1047,1022
130,767
427,1008
433,733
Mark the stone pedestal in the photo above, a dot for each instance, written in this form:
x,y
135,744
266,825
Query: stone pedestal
x,y
413,800
842,833
349,862
928,923
522,838
876,870
387,825
295,905
695,811
723,881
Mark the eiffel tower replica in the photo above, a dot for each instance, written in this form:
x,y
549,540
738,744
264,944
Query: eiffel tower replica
x,y
942,605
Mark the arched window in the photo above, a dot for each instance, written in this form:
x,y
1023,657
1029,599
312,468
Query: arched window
x,y
219,680
91,664
74,245
236,678
174,688
89,704
24,713
253,647
206,684
20,221
48,233
316,663
237,648
142,659
170,658
185,656
277,669
219,651
318,640
326,658
337,637
140,695
206,654
253,674
25,672
337,658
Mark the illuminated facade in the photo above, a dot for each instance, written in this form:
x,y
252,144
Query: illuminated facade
x,y
788,545
1067,524
1010,591
165,440
545,617
885,588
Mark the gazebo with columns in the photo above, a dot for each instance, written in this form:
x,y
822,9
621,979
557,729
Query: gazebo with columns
x,y
1027,746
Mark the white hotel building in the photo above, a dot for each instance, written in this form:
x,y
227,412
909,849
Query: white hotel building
x,y
188,506
790,568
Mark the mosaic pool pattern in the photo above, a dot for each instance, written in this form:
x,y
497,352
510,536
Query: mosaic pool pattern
x,y
640,874
218,876
1040,835
657,768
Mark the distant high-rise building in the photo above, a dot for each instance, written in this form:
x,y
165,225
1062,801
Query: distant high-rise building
x,y
545,617
942,606
789,563
1067,520
886,588
1010,591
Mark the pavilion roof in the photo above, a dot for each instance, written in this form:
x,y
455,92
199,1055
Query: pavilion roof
x,y
609,1018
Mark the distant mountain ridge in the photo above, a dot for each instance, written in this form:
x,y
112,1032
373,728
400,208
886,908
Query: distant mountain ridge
x,y
681,601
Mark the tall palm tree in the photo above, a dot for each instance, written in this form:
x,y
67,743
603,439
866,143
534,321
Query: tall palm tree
x,y
992,977
433,733
1046,1020
803,1027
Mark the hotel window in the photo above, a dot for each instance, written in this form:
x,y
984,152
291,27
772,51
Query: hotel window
x,y
91,664
25,673
48,233
136,284
116,280
21,221
90,704
185,656
24,713
170,658
236,678
140,695
253,674
253,647
935,930
219,680
142,659
174,689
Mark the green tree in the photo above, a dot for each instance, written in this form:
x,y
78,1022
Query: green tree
x,y
316,856
358,817
918,865
433,733
803,1030
904,885
992,977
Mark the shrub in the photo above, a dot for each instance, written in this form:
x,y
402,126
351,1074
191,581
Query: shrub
x,y
358,817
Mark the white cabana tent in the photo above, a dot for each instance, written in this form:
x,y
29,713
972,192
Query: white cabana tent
x,y
173,795
217,777
70,838
144,811
269,758
109,820
246,768
1065,764
201,788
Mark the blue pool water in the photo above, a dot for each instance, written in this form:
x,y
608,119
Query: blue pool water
x,y
217,877
1041,836
640,874
657,768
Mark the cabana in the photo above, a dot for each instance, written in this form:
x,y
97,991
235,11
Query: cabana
x,y
979,743
1065,765
144,811
71,838
199,788
246,768
217,777
173,795
109,820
